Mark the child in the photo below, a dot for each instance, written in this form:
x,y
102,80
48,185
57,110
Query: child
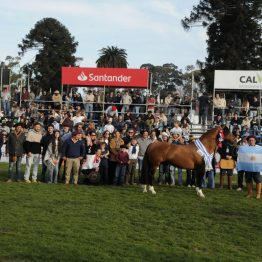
x,y
133,156
122,161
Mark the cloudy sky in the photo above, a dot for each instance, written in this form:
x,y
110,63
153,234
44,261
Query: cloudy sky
x,y
149,30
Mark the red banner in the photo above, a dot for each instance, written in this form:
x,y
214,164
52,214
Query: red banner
x,y
122,77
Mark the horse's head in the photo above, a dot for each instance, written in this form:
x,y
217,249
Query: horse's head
x,y
225,134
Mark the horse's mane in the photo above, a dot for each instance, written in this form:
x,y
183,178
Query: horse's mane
x,y
212,133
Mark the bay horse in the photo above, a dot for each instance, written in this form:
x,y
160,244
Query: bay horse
x,y
183,156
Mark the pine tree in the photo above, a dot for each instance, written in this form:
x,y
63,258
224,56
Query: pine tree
x,y
234,34
55,48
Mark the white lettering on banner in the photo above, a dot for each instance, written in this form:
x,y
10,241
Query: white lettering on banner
x,y
105,78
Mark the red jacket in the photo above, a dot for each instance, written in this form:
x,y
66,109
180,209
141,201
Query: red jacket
x,y
122,158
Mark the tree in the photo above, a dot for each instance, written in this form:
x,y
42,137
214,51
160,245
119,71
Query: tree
x,y
113,57
164,78
55,48
234,34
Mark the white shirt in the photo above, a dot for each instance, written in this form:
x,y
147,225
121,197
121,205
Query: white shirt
x,y
133,156
109,127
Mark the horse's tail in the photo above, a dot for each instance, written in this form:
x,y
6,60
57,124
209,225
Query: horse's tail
x,y
145,169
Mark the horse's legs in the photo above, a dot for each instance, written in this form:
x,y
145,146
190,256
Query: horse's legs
x,y
150,180
199,175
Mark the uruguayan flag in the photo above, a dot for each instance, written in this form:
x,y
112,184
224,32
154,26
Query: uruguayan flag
x,y
250,158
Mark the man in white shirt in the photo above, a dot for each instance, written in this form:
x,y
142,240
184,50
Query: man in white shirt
x,y
89,99
109,127
126,101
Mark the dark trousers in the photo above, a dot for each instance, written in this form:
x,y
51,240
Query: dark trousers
x,y
240,179
44,168
191,177
103,169
111,172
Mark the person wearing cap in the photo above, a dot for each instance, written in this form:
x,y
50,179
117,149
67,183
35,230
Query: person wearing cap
x,y
111,111
73,151
15,150
33,151
250,176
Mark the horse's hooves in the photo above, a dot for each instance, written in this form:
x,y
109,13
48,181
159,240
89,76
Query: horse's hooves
x,y
200,194
144,191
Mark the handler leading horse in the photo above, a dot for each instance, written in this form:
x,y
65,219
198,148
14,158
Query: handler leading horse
x,y
192,156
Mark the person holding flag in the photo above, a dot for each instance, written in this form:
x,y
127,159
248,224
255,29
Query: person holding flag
x,y
250,160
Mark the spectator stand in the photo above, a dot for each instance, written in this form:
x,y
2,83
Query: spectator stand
x,y
111,78
242,92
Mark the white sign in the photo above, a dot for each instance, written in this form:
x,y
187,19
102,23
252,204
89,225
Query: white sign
x,y
236,79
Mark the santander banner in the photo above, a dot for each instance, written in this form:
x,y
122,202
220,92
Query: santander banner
x,y
122,77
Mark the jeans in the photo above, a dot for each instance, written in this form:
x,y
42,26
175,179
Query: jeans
x,y
120,174
209,175
125,108
52,173
17,163
88,109
6,107
203,115
140,163
164,171
136,110
173,175
35,160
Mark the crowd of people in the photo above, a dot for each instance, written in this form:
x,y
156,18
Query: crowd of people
x,y
74,137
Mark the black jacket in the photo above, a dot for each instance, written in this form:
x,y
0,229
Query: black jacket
x,y
15,144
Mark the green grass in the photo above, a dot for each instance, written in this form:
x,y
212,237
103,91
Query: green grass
x,y
40,222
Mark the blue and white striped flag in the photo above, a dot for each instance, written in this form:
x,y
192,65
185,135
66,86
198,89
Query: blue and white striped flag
x,y
249,158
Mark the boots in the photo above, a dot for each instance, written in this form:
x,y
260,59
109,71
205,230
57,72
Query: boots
x,y
221,185
127,179
249,190
258,188
229,182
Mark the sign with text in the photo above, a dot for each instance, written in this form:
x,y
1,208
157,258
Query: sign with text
x,y
121,77
239,80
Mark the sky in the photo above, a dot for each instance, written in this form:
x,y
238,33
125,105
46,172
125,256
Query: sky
x,y
149,30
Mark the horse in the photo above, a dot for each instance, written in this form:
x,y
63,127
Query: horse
x,y
183,156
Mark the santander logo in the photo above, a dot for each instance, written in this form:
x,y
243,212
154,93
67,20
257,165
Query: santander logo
x,y
82,77
91,77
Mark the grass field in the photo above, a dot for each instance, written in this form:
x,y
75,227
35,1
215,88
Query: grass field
x,y
40,222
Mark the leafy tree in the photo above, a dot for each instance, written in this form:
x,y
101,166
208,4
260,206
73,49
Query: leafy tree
x,y
164,78
234,34
113,57
12,63
55,48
